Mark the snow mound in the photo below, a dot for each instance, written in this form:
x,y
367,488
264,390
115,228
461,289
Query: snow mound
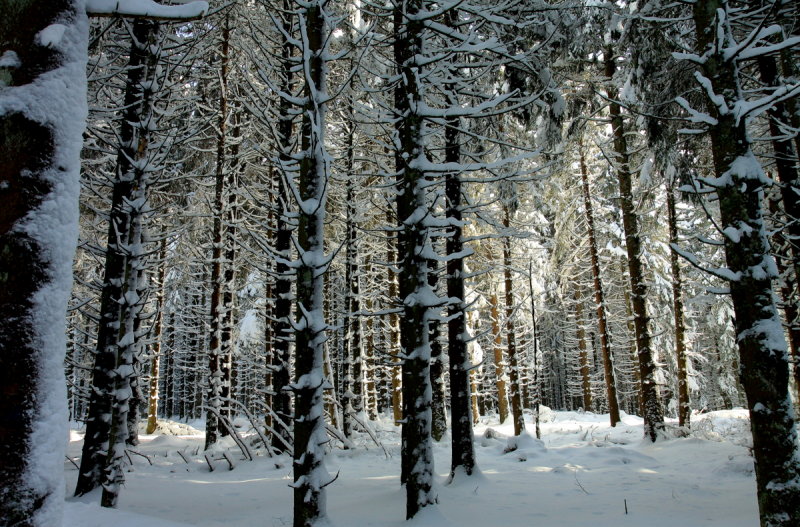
x,y
525,446
172,428
724,425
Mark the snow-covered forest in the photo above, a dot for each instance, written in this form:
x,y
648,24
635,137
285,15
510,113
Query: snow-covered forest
x,y
403,260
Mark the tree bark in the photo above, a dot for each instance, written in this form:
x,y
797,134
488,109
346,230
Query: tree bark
x,y
684,410
651,405
106,425
155,360
463,452
599,298
220,333
438,388
763,366
39,186
310,436
499,363
511,345
583,354
281,323
412,207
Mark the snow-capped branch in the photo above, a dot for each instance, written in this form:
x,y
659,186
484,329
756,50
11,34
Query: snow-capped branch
x,y
146,9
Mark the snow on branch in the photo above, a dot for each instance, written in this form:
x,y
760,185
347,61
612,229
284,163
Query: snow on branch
x,y
146,9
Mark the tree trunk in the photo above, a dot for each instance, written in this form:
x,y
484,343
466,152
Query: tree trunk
x,y
394,328
438,388
155,360
39,186
763,367
684,410
511,345
219,341
583,354
651,405
599,298
310,436
463,452
353,400
499,363
369,355
281,323
537,392
412,237
107,419
786,159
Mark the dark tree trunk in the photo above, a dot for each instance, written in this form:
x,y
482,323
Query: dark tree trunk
x,y
369,354
536,394
463,451
438,387
684,410
40,165
220,333
281,323
763,367
599,299
651,405
106,424
786,159
511,344
310,435
583,354
353,399
411,200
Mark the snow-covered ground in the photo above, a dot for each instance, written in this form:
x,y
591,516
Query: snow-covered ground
x,y
582,473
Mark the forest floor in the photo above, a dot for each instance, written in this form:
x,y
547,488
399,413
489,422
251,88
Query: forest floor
x,y
582,473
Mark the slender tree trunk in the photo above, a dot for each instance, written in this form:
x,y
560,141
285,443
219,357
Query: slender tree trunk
x,y
310,436
281,323
218,372
353,376
369,355
39,186
499,363
394,328
684,410
133,169
155,361
438,388
463,452
235,167
636,407
599,299
583,354
763,368
537,392
511,345
651,405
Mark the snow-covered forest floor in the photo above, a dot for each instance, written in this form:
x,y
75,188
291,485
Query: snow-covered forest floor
x,y
582,473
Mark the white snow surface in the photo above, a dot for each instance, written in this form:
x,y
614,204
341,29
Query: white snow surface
x,y
582,473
